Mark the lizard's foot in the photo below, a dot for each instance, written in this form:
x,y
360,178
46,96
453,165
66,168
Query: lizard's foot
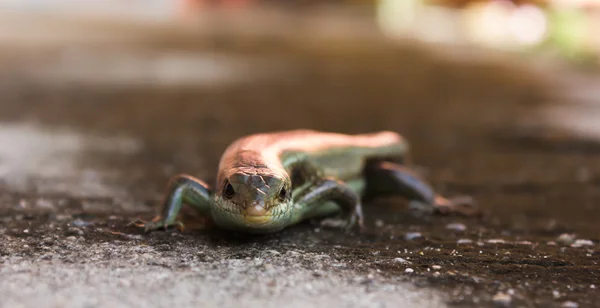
x,y
462,205
354,220
157,224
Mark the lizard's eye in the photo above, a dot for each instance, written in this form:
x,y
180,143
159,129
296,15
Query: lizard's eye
x,y
228,190
283,193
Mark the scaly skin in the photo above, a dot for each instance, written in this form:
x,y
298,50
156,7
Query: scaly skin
x,y
267,182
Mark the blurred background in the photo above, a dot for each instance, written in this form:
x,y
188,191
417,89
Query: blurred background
x,y
562,27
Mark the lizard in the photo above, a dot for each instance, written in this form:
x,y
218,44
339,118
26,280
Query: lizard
x,y
269,181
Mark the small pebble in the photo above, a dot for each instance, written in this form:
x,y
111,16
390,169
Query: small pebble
x,y
496,241
592,286
569,304
46,257
333,223
456,227
502,299
566,239
555,294
464,241
412,235
75,231
22,204
401,261
409,270
63,217
436,267
44,204
379,223
80,223
581,243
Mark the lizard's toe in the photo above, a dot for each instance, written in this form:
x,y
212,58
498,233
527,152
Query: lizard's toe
x,y
158,223
462,205
356,219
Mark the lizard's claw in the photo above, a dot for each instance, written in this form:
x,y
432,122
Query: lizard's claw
x,y
356,219
353,220
158,223
462,205
137,223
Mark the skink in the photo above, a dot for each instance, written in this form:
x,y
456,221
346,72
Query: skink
x,y
267,182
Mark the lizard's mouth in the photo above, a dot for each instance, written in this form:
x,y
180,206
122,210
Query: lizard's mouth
x,y
258,219
240,221
254,213
256,210
251,219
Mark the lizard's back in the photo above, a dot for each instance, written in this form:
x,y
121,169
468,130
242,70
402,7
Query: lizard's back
x,y
338,155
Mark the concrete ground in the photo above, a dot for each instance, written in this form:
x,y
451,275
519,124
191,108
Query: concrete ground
x,y
91,133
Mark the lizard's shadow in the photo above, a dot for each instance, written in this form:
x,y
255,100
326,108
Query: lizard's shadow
x,y
218,236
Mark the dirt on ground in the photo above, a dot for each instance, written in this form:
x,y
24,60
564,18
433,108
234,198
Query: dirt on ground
x,y
82,158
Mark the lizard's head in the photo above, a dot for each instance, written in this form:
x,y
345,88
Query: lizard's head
x,y
253,200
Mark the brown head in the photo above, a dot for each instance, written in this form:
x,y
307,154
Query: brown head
x,y
253,197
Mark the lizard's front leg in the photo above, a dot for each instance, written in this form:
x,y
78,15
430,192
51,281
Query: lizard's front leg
x,y
181,189
320,192
314,194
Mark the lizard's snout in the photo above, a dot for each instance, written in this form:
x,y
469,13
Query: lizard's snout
x,y
257,214
256,210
